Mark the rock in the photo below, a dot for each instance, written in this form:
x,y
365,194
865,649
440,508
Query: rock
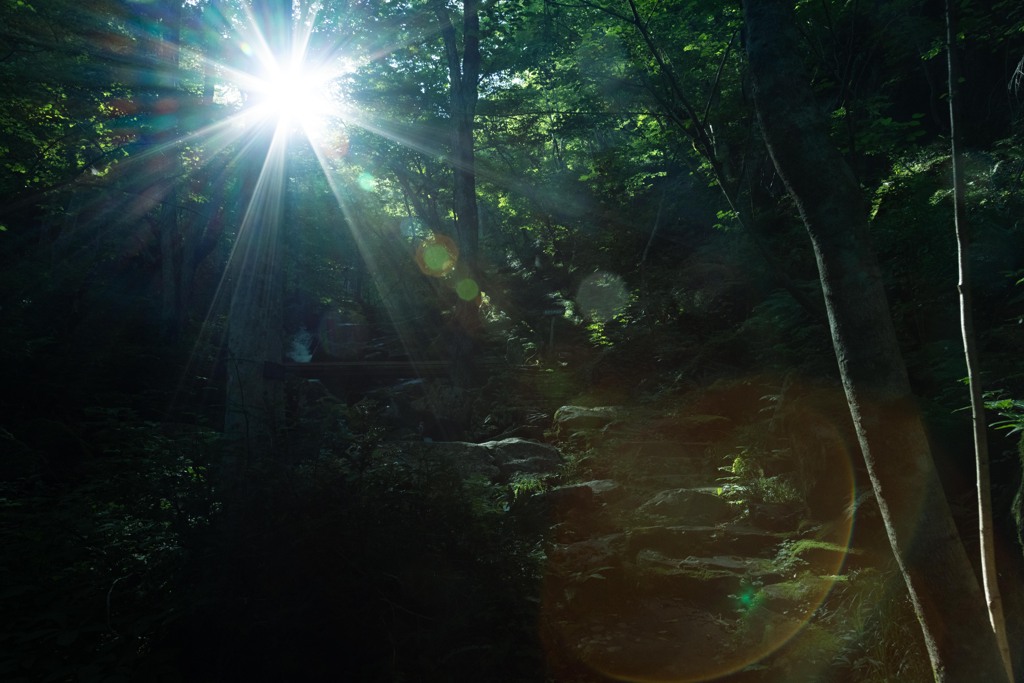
x,y
820,556
687,505
574,559
605,490
776,516
571,419
699,580
668,460
574,496
529,432
520,456
692,427
496,461
546,506
808,590
469,460
688,540
566,514
649,639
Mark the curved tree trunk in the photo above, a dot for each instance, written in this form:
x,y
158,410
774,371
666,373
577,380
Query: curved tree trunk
x,y
939,577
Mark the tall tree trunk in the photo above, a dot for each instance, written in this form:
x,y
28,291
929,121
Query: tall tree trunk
x,y
197,224
164,102
986,535
940,579
255,397
464,75
255,394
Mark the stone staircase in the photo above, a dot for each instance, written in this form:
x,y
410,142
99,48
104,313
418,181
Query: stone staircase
x,y
651,575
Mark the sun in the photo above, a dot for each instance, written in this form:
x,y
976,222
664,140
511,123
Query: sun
x,y
295,95
284,84
285,74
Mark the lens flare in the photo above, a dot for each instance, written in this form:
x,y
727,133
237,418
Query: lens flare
x,y
602,296
366,182
655,600
437,255
467,289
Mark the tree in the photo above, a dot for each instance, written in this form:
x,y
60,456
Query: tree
x,y
986,532
463,86
715,123
931,558
160,95
255,397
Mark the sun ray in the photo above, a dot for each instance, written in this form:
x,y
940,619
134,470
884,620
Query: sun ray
x,y
277,81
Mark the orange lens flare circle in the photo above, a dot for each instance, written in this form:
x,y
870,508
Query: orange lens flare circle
x,y
685,601
437,255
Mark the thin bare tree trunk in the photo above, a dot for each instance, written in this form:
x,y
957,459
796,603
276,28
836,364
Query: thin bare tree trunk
x,y
932,560
986,535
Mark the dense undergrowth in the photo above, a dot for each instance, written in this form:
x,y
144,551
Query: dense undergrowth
x,y
350,562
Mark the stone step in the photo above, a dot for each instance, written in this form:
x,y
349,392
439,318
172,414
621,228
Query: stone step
x,y
697,540
693,506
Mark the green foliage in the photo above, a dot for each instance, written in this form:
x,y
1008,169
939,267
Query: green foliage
x,y
1012,413
526,485
745,480
387,567
919,264
1010,410
125,554
596,334
783,334
578,464
879,639
94,568
60,120
790,557
750,598
879,135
